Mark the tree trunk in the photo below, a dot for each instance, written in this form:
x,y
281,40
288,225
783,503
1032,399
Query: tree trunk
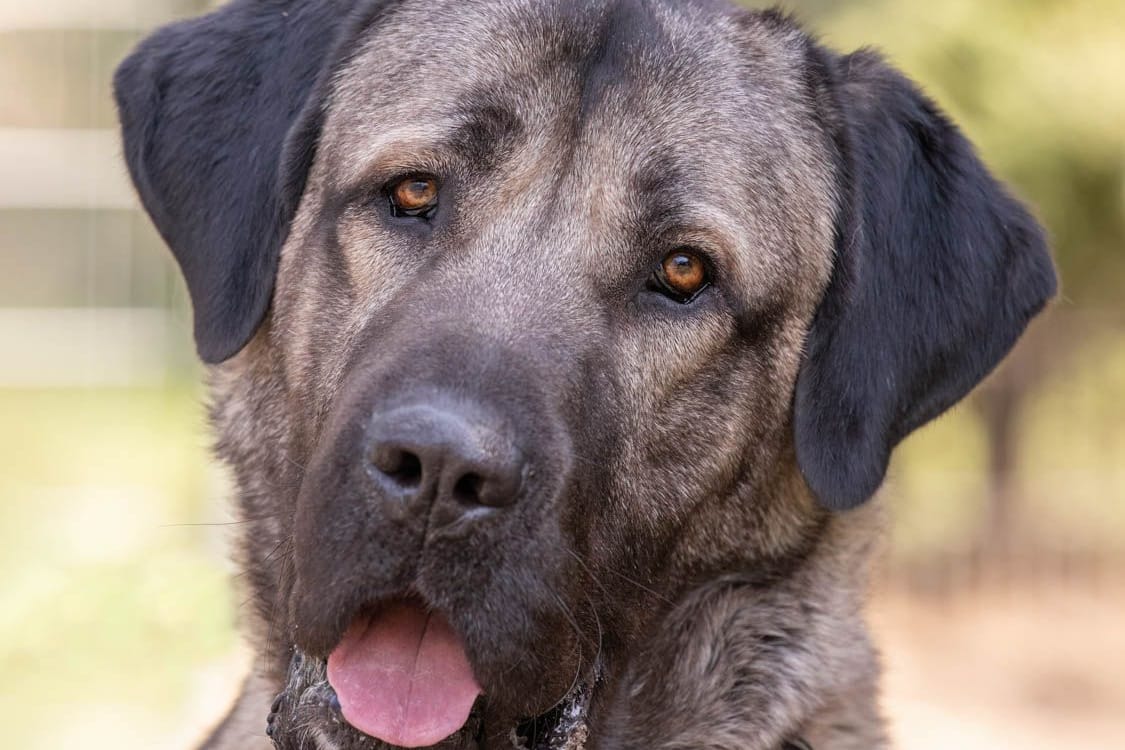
x,y
1000,405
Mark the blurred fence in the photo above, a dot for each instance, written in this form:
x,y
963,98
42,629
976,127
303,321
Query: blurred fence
x,y
88,296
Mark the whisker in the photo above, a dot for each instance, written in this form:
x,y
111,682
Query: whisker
x,y
571,619
578,559
598,622
285,563
619,574
578,646
206,524
289,460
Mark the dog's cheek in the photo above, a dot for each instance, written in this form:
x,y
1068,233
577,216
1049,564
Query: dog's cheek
x,y
335,278
687,407
311,292
254,426
699,477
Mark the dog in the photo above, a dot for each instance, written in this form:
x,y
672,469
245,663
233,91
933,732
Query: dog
x,y
557,348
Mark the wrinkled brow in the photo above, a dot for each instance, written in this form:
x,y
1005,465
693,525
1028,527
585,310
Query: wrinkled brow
x,y
485,131
477,136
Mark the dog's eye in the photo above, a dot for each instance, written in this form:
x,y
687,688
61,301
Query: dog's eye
x,y
682,275
415,196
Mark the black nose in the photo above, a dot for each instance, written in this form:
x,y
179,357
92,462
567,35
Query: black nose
x,y
454,460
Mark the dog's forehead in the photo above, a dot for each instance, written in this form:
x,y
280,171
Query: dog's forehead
x,y
609,96
568,65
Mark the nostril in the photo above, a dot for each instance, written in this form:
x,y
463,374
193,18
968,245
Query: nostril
x,y
400,465
467,490
409,470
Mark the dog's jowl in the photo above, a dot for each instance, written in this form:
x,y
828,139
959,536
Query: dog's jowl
x,y
557,349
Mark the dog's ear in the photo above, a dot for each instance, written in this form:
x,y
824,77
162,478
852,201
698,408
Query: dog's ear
x,y
938,271
220,117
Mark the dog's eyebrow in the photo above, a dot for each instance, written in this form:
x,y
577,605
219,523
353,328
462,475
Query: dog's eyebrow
x,y
657,179
668,196
397,149
485,131
475,134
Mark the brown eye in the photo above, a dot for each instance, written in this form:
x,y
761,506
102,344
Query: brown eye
x,y
414,196
682,275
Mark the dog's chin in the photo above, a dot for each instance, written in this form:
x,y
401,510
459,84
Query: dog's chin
x,y
309,714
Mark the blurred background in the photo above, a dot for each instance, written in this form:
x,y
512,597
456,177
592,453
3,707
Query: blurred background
x,y
1001,605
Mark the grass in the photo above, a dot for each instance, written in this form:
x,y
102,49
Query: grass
x,y
110,600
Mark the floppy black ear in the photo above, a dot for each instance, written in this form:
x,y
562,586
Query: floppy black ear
x,y
938,271
220,117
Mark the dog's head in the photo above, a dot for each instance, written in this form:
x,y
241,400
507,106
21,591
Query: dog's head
x,y
534,313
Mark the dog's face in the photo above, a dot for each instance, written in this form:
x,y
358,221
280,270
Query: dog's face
x,y
593,325
570,305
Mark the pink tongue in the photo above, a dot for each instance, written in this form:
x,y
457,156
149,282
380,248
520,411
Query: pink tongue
x,y
403,677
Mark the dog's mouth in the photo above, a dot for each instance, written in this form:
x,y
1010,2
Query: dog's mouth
x,y
401,678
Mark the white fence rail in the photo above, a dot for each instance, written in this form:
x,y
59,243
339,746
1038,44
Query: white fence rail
x,y
74,14
85,347
63,169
